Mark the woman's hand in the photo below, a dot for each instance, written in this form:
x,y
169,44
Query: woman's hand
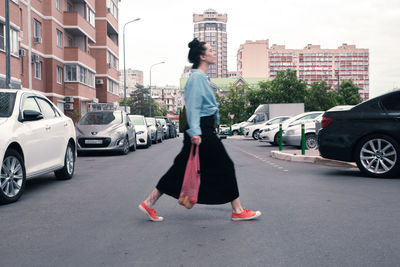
x,y
196,140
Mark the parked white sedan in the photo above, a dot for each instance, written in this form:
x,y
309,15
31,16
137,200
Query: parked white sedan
x,y
271,133
35,138
254,130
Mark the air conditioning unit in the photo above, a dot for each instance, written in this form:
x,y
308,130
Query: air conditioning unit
x,y
69,99
99,81
35,58
22,52
37,40
68,106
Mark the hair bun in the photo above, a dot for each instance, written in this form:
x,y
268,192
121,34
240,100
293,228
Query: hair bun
x,y
194,43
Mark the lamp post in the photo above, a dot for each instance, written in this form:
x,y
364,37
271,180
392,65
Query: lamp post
x,y
150,86
123,34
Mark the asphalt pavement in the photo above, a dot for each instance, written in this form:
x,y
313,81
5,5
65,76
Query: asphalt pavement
x,y
313,215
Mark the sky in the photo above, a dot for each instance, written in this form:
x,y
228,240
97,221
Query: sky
x,y
166,27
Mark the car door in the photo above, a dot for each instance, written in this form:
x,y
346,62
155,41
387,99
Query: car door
x,y
56,132
33,137
391,105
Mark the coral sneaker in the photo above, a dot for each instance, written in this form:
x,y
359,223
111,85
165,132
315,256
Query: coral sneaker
x,y
245,215
150,212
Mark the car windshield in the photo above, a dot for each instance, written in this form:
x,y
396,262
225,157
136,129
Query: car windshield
x,y
7,101
101,118
150,121
251,118
137,120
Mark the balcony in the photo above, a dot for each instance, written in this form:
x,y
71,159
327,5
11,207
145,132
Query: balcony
x,y
113,46
78,25
77,55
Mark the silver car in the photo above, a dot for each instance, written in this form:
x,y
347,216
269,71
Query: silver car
x,y
156,130
106,130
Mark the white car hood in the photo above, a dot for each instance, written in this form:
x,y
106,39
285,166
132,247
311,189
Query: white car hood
x,y
3,120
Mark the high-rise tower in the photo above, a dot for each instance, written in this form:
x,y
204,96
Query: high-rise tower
x,y
210,27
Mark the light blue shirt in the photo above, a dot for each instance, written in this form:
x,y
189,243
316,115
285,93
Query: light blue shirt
x,y
199,101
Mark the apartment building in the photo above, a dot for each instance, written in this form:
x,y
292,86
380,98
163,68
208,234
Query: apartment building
x,y
133,78
312,63
210,27
66,49
170,96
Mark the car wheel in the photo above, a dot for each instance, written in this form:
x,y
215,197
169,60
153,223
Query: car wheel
x,y
255,134
276,139
69,164
235,132
311,142
378,156
126,147
12,177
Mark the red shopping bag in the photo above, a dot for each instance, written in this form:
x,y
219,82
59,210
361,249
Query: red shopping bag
x,y
191,180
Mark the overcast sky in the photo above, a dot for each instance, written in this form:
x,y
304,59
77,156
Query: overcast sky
x,y
166,26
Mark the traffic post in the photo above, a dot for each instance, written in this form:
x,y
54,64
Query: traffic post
x,y
303,140
280,136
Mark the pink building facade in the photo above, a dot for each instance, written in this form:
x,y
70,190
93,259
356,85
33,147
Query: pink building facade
x,y
311,63
66,49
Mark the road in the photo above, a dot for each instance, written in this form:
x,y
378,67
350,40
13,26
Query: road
x,y
313,215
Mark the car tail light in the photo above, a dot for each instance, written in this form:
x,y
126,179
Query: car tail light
x,y
326,121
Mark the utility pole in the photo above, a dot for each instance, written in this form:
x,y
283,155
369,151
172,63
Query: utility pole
x,y
8,63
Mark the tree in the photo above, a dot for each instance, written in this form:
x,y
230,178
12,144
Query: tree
x,y
235,102
320,96
348,94
286,88
139,103
182,120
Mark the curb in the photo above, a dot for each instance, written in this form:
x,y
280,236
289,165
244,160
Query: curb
x,y
311,159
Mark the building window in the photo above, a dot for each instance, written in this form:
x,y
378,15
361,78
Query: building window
x,y
14,42
112,8
2,39
70,73
82,74
59,38
59,75
37,28
69,41
58,5
91,79
69,7
38,70
91,16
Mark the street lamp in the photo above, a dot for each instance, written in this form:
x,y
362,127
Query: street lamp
x,y
150,86
123,34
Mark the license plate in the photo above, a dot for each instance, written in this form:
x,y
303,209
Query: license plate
x,y
89,141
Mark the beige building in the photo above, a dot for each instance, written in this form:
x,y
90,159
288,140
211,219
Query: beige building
x,y
312,63
133,78
252,59
170,96
210,27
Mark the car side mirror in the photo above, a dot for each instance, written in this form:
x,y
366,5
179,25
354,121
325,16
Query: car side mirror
x,y
31,115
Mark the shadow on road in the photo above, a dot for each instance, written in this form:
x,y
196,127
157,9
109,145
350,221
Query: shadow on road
x,y
354,172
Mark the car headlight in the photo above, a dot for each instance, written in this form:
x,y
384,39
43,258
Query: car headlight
x,y
140,132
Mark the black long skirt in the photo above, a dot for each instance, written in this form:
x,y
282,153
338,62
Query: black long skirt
x,y
217,172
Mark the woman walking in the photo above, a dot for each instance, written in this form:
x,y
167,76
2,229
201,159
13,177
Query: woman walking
x,y
218,180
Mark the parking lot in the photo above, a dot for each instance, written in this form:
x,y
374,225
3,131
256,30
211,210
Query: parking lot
x,y
313,215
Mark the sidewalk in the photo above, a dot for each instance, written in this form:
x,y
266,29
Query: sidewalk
x,y
311,156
